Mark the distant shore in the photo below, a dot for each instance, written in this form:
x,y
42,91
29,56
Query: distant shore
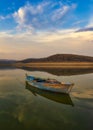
x,y
55,65
54,61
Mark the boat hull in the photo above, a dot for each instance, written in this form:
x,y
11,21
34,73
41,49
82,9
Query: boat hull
x,y
46,87
49,86
56,97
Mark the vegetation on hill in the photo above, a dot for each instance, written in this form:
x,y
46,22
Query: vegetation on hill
x,y
61,58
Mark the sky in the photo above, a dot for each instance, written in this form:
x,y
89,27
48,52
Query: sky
x,y
39,28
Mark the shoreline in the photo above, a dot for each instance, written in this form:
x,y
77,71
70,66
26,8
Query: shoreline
x,y
55,65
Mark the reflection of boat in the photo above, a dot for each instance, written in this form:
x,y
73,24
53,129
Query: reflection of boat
x,y
49,84
57,97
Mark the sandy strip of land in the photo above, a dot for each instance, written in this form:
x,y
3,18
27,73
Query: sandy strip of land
x,y
57,65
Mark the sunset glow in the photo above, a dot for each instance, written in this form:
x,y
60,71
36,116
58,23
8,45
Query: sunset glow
x,y
40,28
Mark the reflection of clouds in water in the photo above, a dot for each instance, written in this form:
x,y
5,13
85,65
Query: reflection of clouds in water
x,y
84,106
11,105
83,94
84,100
7,121
19,105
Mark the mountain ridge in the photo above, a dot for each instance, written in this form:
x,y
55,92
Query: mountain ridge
x,y
60,58
6,61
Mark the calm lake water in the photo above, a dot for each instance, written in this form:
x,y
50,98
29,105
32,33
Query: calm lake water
x,y
23,109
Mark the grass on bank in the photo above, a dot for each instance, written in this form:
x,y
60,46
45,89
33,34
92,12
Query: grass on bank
x,y
57,64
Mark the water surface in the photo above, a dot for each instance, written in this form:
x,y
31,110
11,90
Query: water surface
x,y
23,109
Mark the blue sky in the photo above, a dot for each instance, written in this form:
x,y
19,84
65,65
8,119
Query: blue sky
x,y
47,27
52,14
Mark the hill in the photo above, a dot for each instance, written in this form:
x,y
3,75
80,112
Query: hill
x,y
60,58
6,63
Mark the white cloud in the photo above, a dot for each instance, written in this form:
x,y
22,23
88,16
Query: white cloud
x,y
5,17
47,37
26,15
78,22
59,13
41,44
42,16
33,43
2,17
62,11
90,24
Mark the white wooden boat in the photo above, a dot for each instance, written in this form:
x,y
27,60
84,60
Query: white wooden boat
x,y
49,84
